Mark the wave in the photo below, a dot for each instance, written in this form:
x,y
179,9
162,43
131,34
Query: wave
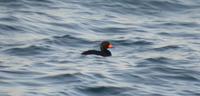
x,y
5,27
104,90
166,48
132,43
169,73
181,34
181,24
162,60
27,51
16,4
68,40
110,30
19,72
139,7
66,25
66,77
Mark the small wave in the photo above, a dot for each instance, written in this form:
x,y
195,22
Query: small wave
x,y
13,3
182,77
27,51
168,5
172,73
172,70
111,30
9,1
102,90
68,40
142,42
34,12
66,77
181,34
42,1
163,60
182,24
138,7
165,48
10,27
9,19
130,43
66,25
18,73
164,33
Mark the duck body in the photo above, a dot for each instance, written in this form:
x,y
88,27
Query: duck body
x,y
95,52
103,50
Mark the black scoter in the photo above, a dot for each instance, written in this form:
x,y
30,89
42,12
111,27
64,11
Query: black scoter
x,y
103,50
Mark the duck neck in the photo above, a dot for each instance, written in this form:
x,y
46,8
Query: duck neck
x,y
103,49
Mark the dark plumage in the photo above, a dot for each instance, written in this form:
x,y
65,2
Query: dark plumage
x,y
103,50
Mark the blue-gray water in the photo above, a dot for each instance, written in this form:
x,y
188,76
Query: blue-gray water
x,y
156,47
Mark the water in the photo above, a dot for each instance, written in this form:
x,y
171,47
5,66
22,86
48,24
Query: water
x,y
156,47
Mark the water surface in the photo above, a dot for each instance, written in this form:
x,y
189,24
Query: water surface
x,y
156,47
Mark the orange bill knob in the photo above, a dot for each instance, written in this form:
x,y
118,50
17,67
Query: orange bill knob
x,y
110,46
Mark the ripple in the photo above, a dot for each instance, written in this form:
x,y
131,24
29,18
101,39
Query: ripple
x,y
104,90
66,77
18,72
9,19
180,34
142,42
168,47
27,51
13,3
171,73
109,30
132,43
64,25
68,40
183,24
41,3
169,5
9,1
163,60
10,27
180,77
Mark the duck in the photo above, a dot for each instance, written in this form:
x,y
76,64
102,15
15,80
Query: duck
x,y
103,50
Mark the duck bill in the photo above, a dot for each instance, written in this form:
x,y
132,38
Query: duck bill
x,y
110,46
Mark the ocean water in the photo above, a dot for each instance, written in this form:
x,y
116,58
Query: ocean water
x,y
156,47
